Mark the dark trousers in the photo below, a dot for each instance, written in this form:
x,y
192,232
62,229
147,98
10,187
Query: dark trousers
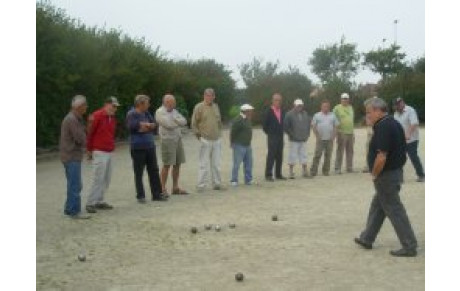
x,y
414,158
386,203
146,158
274,156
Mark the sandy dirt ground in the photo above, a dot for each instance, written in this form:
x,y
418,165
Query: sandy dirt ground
x,y
150,247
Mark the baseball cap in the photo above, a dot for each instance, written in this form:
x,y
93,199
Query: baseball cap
x,y
344,96
298,102
112,100
246,107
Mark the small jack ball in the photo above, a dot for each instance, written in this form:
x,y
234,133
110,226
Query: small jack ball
x,y
239,277
217,227
81,257
194,230
274,217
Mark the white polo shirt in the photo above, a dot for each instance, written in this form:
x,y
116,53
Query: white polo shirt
x,y
407,118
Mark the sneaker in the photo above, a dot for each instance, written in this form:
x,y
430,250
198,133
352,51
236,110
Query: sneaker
x,y
141,200
366,170
91,209
234,184
281,178
249,183
80,216
306,176
161,197
338,172
291,176
421,179
269,179
199,189
104,206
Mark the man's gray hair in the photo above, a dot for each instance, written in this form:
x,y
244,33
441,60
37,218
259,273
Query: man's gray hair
x,y
376,103
141,99
209,91
78,100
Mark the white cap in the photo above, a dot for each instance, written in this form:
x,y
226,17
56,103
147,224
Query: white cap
x,y
344,96
298,102
246,107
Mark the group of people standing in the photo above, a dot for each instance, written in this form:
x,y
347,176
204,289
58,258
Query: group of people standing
x,y
386,154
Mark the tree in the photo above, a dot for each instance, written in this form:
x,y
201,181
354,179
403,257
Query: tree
x,y
385,61
263,79
336,63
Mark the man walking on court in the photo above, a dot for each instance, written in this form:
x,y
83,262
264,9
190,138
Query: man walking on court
x,y
170,123
141,126
324,126
345,137
386,158
100,144
273,128
407,116
207,126
71,148
297,127
240,140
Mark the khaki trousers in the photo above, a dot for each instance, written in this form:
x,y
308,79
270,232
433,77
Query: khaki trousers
x,y
345,142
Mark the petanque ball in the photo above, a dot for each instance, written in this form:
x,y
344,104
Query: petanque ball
x,y
194,230
217,227
239,277
207,226
274,217
81,257
231,225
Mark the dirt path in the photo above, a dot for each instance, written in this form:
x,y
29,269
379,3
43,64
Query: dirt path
x,y
150,247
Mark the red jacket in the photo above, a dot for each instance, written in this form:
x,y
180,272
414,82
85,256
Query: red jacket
x,y
101,131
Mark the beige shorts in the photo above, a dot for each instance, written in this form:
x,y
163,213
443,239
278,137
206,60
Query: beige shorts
x,y
172,152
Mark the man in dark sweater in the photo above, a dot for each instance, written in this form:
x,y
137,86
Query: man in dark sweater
x,y
386,158
141,126
240,140
273,128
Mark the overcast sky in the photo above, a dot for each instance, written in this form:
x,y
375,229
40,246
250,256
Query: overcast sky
x,y
234,31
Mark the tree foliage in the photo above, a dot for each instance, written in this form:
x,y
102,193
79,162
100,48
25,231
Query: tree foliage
x,y
385,61
263,79
75,59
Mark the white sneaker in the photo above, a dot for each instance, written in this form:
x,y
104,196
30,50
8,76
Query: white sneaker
x,y
234,184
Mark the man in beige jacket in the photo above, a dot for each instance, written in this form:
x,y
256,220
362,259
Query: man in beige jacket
x,y
207,126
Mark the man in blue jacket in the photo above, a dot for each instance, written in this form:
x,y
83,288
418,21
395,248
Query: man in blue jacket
x,y
141,126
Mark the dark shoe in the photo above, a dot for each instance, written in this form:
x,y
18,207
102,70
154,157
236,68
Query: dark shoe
x,y
269,179
104,206
338,172
365,245
141,200
404,253
91,209
219,188
421,179
162,198
325,174
281,178
80,216
365,171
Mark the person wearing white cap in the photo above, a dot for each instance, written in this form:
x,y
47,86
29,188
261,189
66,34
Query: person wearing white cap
x,y
297,126
240,141
345,137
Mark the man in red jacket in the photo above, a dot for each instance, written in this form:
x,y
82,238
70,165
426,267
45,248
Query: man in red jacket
x,y
100,145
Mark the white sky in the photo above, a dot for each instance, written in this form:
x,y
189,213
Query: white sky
x,y
234,31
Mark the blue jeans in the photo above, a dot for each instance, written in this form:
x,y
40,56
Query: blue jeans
x,y
74,186
413,156
242,154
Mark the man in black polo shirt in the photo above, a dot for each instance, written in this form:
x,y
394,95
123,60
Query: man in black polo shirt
x,y
386,158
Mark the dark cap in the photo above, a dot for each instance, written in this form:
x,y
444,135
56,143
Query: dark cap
x,y
112,100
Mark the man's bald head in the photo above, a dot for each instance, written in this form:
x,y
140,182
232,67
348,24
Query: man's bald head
x,y
169,102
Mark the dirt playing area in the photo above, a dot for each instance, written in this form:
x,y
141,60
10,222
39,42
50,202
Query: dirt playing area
x,y
150,246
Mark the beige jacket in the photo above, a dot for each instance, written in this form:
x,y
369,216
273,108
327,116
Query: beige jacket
x,y
206,121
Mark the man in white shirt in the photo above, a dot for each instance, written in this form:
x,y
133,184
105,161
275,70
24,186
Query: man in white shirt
x,y
172,150
407,116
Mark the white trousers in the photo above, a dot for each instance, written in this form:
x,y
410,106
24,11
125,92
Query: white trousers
x,y
297,153
210,159
101,174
